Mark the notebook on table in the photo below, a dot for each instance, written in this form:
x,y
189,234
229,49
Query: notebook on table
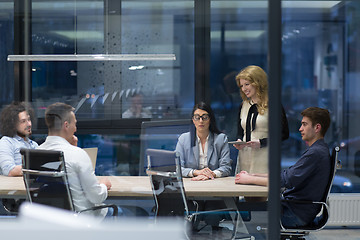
x,y
92,152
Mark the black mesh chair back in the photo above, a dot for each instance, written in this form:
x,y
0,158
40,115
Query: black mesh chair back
x,y
161,160
321,221
165,177
168,193
334,162
45,178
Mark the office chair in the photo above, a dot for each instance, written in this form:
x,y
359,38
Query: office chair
x,y
11,206
46,181
164,170
323,216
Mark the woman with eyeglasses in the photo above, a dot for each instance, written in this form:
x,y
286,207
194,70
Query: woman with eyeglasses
x,y
253,127
204,153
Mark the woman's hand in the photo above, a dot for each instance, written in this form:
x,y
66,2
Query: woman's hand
x,y
205,172
242,178
245,178
200,178
253,144
239,146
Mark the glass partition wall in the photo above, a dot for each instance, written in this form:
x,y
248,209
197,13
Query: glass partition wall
x,y
111,97
7,47
320,52
211,41
106,89
319,68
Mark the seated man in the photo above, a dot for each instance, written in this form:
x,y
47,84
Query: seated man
x,y
85,189
308,177
136,109
15,126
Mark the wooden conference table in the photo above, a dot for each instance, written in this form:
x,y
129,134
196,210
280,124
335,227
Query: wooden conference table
x,y
139,186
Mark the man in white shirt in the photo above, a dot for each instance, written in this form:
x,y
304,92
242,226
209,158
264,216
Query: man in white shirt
x,y
85,189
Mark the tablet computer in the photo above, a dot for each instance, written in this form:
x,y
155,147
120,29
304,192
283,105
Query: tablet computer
x,y
237,142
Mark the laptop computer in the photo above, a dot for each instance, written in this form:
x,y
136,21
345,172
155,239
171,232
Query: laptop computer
x,y
92,152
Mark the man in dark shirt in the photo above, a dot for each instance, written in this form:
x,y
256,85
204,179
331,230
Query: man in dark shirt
x,y
308,177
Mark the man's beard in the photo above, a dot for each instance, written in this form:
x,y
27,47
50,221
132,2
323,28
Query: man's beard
x,y
23,135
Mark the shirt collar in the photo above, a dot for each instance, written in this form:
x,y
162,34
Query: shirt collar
x,y
319,141
57,139
17,137
198,139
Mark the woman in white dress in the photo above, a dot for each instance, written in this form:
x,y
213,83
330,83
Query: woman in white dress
x,y
253,121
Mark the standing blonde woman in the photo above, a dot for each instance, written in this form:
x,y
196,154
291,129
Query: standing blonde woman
x,y
253,128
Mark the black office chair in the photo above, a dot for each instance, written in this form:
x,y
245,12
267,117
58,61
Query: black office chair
x,y
46,181
164,170
323,216
11,206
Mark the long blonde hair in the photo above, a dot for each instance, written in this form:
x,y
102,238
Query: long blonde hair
x,y
258,78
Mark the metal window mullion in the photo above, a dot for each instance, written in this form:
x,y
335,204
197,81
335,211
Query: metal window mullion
x,y
202,50
274,51
22,45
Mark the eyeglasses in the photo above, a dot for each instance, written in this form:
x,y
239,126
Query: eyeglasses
x,y
204,117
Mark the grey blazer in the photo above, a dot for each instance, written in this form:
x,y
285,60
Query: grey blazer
x,y
218,154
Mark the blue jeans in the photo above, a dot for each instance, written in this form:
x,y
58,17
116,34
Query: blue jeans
x,y
111,212
289,219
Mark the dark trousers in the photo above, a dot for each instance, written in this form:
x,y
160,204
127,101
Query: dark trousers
x,y
212,219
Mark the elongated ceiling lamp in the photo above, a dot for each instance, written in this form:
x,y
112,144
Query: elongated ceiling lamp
x,y
92,57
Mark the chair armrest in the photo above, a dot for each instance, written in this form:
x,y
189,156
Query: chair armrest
x,y
323,204
301,201
44,173
113,206
160,173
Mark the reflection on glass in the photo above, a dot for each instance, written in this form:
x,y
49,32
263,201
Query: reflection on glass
x,y
103,89
7,47
137,109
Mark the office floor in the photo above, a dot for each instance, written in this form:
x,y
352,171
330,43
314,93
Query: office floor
x,y
256,228
335,234
259,219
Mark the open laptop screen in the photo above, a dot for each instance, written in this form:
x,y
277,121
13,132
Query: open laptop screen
x,y
92,152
